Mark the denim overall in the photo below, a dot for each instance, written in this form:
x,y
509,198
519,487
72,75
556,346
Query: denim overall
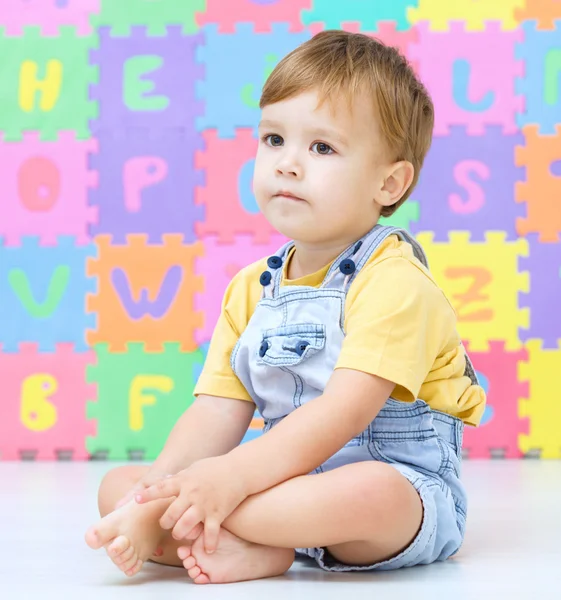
x,y
285,357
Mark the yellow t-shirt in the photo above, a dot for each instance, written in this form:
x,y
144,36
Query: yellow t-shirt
x,y
398,325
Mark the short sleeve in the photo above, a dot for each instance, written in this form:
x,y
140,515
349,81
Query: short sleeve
x,y
397,321
217,377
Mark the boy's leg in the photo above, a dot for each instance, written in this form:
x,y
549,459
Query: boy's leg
x,y
116,483
363,513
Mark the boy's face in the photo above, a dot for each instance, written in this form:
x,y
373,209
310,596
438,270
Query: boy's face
x,y
330,158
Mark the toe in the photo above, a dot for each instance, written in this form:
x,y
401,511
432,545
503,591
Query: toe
x,y
93,538
125,556
129,564
183,552
189,562
135,569
118,546
194,572
101,534
202,579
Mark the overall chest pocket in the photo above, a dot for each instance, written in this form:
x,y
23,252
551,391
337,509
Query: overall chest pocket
x,y
290,345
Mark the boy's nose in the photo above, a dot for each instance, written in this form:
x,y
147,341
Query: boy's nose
x,y
289,168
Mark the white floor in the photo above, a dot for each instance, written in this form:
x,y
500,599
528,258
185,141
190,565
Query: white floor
x,y
512,547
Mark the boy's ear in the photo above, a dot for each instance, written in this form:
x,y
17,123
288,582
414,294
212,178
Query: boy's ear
x,y
397,181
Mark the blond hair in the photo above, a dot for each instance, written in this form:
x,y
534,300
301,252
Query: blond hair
x,y
338,61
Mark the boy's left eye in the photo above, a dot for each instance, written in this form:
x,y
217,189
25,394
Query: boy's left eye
x,y
322,148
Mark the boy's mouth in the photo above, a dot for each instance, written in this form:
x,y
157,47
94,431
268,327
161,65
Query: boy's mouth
x,y
287,194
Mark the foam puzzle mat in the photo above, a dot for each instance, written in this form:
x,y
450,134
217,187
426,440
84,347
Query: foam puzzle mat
x,y
127,137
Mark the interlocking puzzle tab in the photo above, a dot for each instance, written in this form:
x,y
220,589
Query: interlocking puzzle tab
x,y
497,435
466,184
335,15
482,281
44,83
542,188
469,85
261,14
544,12
542,406
43,403
144,292
45,187
49,15
42,292
122,16
439,13
140,396
147,183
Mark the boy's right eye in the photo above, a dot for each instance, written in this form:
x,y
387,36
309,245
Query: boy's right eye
x,y
273,139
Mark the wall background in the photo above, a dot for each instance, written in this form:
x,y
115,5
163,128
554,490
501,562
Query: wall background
x,y
126,155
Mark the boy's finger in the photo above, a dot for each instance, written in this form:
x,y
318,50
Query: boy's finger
x,y
164,488
212,530
174,513
187,522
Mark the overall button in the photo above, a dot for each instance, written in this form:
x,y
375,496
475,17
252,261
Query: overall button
x,y
347,266
301,347
265,278
263,349
274,262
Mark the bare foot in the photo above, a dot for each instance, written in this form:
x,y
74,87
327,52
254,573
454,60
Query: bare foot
x,y
234,560
130,534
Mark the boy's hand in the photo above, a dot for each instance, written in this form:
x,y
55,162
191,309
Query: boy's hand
x,y
207,492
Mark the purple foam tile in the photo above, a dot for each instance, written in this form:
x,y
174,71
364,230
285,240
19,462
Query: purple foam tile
x,y
467,184
544,298
147,81
147,183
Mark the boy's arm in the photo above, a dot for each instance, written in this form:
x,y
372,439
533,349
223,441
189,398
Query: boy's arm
x,y
211,426
315,431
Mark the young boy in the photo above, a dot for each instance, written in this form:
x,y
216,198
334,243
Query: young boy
x,y
342,340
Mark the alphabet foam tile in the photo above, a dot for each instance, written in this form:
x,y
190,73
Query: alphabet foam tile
x,y
470,85
540,80
482,281
497,434
544,12
216,267
543,404
144,292
336,14
45,188
231,94
43,403
466,184
123,15
147,81
44,83
147,183
42,291
229,204
48,14
260,13
544,297
141,395
439,13
542,189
